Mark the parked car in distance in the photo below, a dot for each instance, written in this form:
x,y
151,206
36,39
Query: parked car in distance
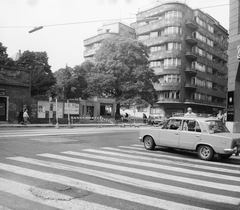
x,y
206,136
156,120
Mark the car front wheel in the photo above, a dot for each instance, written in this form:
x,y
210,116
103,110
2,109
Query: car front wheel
x,y
205,152
149,143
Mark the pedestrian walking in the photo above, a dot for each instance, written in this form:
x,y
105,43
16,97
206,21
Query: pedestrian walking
x,y
221,116
25,117
20,117
144,118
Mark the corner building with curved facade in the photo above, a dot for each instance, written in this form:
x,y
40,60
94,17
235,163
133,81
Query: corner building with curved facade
x,y
188,52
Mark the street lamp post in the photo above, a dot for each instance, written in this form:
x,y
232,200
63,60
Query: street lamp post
x,y
36,29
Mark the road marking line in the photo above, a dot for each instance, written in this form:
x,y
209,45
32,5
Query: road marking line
x,y
160,154
4,208
99,189
160,161
148,165
49,198
135,182
149,173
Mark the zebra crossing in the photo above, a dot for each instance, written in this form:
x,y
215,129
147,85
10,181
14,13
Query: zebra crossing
x,y
123,177
63,131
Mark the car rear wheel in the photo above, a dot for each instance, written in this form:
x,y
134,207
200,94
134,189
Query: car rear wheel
x,y
205,152
149,143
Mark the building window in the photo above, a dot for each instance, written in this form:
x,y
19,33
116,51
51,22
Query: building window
x,y
209,56
210,28
143,37
201,22
198,66
171,94
210,42
156,110
173,46
173,14
172,30
172,62
156,64
157,48
142,109
209,84
198,97
209,70
170,78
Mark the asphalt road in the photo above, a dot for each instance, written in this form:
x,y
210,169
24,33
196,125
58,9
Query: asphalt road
x,y
108,168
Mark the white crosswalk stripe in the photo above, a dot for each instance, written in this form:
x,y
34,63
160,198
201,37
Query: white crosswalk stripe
x,y
62,131
216,184
26,192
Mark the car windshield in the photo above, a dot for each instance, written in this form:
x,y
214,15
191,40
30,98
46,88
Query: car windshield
x,y
215,126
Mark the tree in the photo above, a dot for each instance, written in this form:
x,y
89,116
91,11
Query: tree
x,y
64,80
73,81
82,73
41,75
4,59
122,72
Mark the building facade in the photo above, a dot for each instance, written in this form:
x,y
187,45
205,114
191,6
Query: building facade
x,y
14,93
188,52
233,111
109,30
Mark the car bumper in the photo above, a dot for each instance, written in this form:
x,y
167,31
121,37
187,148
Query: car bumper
x,y
140,139
232,150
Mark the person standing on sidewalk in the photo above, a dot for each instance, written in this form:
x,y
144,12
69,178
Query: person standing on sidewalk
x,y
25,117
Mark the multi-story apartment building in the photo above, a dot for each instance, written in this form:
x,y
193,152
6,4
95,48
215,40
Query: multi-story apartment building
x,y
109,30
233,111
188,52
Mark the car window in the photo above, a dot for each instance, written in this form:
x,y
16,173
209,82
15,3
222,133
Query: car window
x,y
191,125
216,127
172,124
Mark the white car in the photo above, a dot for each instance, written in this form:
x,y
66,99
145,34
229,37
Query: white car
x,y
206,136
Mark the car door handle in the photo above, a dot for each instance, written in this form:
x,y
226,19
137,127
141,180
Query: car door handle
x,y
176,133
197,135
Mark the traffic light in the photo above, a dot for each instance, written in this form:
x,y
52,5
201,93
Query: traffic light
x,y
36,29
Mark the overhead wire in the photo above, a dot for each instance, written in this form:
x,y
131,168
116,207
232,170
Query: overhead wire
x,y
94,21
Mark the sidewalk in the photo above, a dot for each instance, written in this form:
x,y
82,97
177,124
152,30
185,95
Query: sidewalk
x,y
70,125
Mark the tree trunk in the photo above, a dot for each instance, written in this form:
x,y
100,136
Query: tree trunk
x,y
117,113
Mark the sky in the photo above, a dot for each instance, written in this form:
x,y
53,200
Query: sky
x,y
67,23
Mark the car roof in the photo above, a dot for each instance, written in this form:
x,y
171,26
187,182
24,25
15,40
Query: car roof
x,y
194,118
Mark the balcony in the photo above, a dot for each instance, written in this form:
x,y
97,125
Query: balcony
x,y
166,86
220,55
191,24
218,66
164,70
99,38
163,39
205,103
191,40
190,85
191,70
154,26
90,52
191,55
164,54
168,100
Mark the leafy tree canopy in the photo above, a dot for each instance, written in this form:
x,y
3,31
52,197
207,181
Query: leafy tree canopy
x,y
73,81
4,59
122,72
41,75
